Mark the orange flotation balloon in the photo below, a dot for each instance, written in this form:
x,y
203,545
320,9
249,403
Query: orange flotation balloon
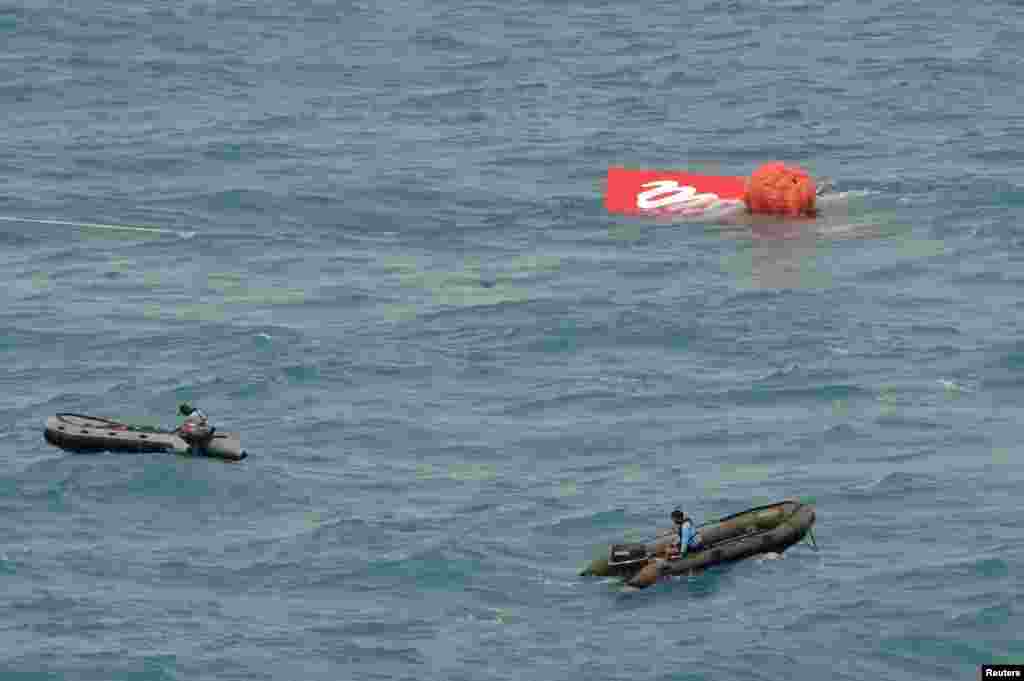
x,y
778,189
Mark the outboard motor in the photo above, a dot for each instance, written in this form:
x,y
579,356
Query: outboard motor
x,y
627,554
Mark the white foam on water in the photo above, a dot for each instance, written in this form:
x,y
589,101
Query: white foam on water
x,y
953,386
838,197
382,237
98,225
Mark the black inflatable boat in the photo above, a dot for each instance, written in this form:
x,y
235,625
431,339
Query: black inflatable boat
x,y
765,529
76,432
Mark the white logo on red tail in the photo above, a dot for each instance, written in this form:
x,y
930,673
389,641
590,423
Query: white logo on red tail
x,y
670,193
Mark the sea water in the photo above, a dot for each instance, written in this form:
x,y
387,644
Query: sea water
x,y
370,238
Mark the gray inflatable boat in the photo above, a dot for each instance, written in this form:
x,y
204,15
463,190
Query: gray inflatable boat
x,y
79,433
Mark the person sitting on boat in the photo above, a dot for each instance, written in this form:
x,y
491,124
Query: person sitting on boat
x,y
196,427
686,538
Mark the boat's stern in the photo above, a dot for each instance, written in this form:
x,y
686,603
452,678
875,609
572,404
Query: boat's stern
x,y
622,560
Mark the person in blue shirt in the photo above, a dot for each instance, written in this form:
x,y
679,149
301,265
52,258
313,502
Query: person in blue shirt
x,y
686,538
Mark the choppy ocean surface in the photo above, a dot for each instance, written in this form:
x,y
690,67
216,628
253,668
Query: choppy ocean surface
x,y
370,237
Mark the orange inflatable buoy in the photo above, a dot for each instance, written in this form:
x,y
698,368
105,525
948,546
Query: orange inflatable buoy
x,y
778,189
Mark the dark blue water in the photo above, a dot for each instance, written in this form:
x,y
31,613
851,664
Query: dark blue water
x,y
371,239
